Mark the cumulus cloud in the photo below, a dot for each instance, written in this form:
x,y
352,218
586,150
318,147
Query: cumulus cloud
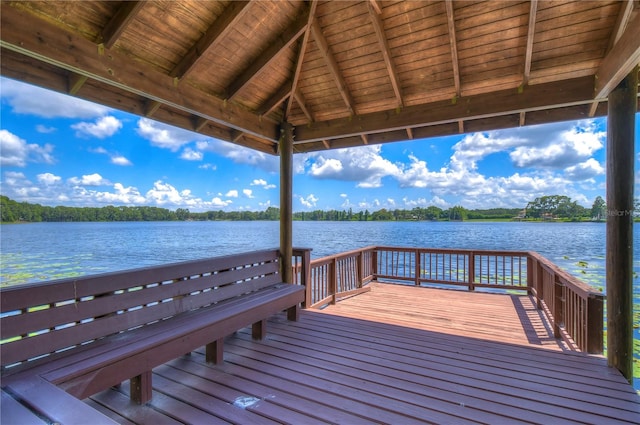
x,y
585,170
44,129
191,155
48,179
120,160
567,148
102,128
310,201
240,154
16,152
263,183
232,194
27,99
163,135
94,179
364,165
247,193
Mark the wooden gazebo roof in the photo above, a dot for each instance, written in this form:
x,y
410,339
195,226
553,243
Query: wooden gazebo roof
x,y
343,73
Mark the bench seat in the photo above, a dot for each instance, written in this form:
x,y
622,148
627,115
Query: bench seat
x,y
168,317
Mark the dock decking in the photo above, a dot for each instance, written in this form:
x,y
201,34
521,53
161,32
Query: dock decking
x,y
396,354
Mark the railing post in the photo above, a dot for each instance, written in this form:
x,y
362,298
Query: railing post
x,y
539,284
305,276
374,263
360,268
333,280
558,306
472,270
418,267
595,318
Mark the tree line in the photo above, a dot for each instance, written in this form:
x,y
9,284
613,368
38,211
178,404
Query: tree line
x,y
554,207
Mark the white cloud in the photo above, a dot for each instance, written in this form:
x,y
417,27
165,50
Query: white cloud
x,y
90,180
45,130
48,179
567,148
208,167
32,100
263,183
240,154
191,155
310,201
232,194
585,170
219,203
364,165
248,193
16,152
102,128
163,135
120,160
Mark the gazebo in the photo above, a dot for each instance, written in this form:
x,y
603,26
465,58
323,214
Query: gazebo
x,y
285,77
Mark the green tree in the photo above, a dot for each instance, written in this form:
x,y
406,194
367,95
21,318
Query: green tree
x,y
599,209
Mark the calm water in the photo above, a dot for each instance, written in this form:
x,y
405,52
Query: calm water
x,y
43,251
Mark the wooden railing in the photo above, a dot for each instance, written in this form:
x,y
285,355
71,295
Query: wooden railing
x,y
574,309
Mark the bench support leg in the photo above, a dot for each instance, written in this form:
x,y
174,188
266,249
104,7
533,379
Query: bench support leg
x,y
293,313
259,329
215,351
140,387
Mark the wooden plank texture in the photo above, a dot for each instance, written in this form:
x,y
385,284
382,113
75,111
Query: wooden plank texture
x,y
399,354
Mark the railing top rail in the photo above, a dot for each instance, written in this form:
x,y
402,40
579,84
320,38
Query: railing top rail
x,y
345,254
576,284
455,250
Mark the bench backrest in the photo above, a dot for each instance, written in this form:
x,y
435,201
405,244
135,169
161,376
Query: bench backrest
x,y
42,318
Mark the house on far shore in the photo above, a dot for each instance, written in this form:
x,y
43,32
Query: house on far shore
x,y
521,215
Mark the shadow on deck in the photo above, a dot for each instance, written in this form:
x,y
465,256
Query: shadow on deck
x,y
397,354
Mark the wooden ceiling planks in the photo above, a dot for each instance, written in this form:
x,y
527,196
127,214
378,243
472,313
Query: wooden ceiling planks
x,y
342,72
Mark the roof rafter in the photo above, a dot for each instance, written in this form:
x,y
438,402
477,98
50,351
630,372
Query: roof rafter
x,y
302,104
577,91
32,37
530,33
277,46
76,81
384,48
333,66
119,22
232,14
626,9
300,61
276,99
451,24
619,62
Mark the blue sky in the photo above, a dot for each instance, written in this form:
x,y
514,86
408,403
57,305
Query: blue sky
x,y
59,150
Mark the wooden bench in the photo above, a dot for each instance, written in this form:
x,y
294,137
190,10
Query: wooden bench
x,y
81,336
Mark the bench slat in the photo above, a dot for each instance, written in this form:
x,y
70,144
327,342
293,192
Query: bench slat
x,y
43,293
12,412
56,404
23,324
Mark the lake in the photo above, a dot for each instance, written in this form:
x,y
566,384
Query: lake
x,y
44,251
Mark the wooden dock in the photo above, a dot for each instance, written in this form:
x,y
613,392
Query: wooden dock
x,y
397,355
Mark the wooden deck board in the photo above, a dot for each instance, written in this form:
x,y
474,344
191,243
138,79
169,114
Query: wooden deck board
x,y
397,354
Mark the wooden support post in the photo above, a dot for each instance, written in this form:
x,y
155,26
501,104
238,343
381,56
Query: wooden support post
x,y
418,267
622,106
333,280
214,351
472,270
360,268
140,388
286,200
293,313
259,329
595,340
558,306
